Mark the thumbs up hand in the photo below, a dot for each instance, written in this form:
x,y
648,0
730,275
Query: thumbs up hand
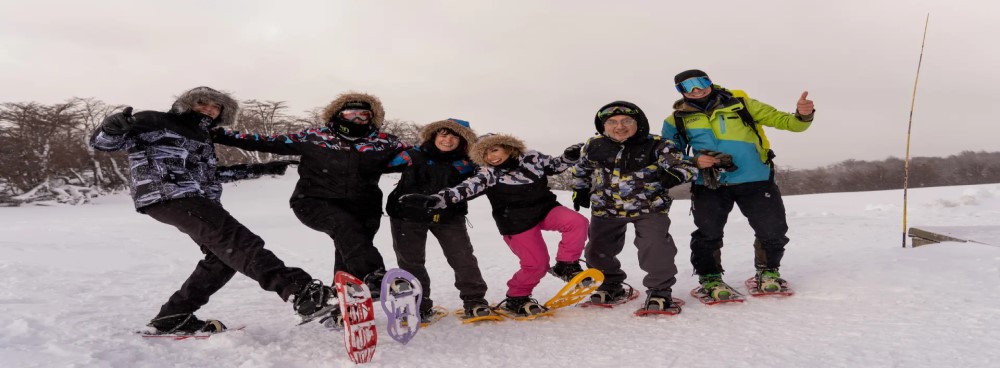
x,y
804,107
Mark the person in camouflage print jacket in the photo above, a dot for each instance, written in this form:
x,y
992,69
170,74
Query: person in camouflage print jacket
x,y
623,176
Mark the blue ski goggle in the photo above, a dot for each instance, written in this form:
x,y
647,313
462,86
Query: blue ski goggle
x,y
688,85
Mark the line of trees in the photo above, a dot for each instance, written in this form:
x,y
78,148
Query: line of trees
x,y
45,153
45,156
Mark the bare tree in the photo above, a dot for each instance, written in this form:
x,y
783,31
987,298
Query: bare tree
x,y
47,150
407,131
265,118
92,113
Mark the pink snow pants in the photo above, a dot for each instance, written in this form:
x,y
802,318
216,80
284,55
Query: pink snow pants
x,y
530,248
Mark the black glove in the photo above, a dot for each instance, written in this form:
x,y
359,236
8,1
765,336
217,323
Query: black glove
x,y
572,153
120,123
725,160
581,198
671,178
272,168
423,201
216,132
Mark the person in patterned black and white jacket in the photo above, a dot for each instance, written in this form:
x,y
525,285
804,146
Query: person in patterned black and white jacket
x,y
174,178
516,182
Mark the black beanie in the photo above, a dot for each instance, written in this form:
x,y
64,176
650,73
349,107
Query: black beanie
x,y
688,74
356,105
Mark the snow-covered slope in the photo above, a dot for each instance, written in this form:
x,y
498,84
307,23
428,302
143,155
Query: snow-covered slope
x,y
77,280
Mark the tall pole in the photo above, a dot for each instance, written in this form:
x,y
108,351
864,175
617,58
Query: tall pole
x,y
909,128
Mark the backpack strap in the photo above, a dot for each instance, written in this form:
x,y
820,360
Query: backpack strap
x,y
748,119
682,133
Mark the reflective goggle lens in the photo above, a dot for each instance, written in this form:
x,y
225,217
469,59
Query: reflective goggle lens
x,y
688,85
616,110
352,114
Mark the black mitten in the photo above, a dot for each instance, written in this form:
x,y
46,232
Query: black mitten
x,y
581,198
272,168
572,153
119,123
671,178
424,201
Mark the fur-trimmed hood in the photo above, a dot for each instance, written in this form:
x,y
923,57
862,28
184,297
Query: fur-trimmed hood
x,y
230,108
458,126
378,113
478,151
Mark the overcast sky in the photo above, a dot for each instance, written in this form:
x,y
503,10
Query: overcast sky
x,y
536,69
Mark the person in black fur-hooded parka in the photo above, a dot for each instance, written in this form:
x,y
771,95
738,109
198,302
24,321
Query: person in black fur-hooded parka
x,y
337,192
440,161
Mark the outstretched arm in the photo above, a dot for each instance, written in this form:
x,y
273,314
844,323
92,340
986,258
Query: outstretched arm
x,y
281,144
471,187
767,115
399,163
226,174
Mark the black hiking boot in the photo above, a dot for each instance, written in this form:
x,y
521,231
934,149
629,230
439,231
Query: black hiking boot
x,y
374,282
608,293
566,270
659,300
477,308
185,324
312,300
521,306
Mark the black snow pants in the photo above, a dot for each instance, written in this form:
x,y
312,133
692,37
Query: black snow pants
x,y
229,247
351,225
409,240
759,201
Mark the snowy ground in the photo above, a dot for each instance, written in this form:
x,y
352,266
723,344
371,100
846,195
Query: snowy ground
x,y
77,280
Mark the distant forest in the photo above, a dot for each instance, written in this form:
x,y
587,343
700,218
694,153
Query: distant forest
x,y
45,156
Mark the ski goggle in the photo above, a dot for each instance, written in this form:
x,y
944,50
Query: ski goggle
x,y
688,85
616,110
352,114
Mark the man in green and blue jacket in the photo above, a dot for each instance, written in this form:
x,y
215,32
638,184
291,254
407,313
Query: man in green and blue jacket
x,y
734,157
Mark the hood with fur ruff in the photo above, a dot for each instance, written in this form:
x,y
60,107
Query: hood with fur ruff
x,y
186,101
478,151
429,130
378,113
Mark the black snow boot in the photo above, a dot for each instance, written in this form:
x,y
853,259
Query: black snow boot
x,y
185,324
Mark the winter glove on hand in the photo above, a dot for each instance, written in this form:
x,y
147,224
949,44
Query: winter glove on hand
x,y
572,153
671,178
710,177
120,123
273,167
725,160
426,202
216,132
581,198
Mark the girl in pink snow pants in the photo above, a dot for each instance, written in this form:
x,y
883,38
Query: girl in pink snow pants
x,y
515,181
